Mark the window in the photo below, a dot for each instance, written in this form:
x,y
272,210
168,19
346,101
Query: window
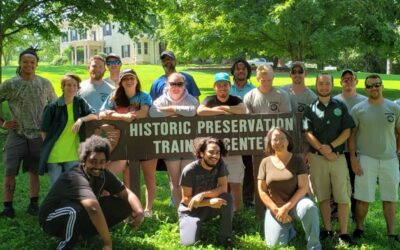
x,y
139,48
107,30
94,37
83,34
74,35
64,37
145,46
126,51
107,50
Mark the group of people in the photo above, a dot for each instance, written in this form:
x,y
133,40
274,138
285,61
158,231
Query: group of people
x,y
352,142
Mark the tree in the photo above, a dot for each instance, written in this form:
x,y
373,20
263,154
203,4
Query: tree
x,y
318,30
45,17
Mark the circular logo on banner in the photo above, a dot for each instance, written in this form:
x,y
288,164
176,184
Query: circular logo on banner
x,y
390,118
273,106
337,112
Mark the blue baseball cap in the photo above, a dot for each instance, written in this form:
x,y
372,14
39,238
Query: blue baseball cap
x,y
221,76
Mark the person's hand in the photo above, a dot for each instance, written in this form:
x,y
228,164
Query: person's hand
x,y
356,166
129,117
11,124
196,200
325,149
217,202
77,125
107,247
331,156
135,220
221,109
282,214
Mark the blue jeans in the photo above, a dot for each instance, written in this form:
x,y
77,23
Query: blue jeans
x,y
56,169
279,234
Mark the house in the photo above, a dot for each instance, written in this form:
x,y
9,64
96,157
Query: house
x,y
106,38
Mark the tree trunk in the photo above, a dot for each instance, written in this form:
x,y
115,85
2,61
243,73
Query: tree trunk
x,y
1,57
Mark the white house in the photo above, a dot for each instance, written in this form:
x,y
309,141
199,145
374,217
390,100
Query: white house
x,y
106,38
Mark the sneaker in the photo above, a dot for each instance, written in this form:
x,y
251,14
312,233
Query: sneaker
x,y
325,234
8,212
33,209
148,213
345,239
358,233
394,237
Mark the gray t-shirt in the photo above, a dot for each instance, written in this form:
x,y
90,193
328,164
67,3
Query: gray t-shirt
x,y
95,95
376,124
351,101
274,102
300,100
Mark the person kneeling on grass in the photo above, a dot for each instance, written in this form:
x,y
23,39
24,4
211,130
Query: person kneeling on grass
x,y
74,209
204,185
282,185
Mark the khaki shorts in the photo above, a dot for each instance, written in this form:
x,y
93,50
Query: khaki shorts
x,y
330,178
386,171
19,149
235,168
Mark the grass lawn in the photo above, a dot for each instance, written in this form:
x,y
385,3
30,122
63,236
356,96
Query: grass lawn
x,y
162,230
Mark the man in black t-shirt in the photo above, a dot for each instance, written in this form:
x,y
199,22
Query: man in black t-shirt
x,y
205,194
74,207
225,104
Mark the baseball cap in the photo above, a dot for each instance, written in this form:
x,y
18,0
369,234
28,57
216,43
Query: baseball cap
x,y
112,55
297,64
167,53
127,72
221,76
348,71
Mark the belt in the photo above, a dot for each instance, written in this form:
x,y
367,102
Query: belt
x,y
319,153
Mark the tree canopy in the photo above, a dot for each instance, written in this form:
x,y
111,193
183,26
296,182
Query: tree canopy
x,y
45,17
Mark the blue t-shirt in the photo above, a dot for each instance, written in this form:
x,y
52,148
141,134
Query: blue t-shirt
x,y
241,92
157,87
136,102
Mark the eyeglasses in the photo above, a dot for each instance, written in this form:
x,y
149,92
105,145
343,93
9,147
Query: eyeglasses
x,y
373,85
114,62
176,84
294,72
278,139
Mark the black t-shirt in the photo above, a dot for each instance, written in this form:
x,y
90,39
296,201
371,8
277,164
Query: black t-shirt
x,y
75,185
212,101
200,179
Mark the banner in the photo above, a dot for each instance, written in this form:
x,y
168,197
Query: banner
x,y
172,137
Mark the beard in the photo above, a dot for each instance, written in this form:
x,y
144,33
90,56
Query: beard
x,y
324,95
210,164
98,76
169,68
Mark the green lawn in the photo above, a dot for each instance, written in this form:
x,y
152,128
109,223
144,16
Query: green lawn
x,y
162,231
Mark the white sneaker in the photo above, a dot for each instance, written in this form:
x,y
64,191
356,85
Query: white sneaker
x,y
148,213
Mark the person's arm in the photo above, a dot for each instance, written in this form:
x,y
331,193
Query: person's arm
x,y
207,198
316,144
352,146
237,109
268,202
302,189
96,216
134,202
78,123
206,111
142,112
397,140
115,116
43,135
342,138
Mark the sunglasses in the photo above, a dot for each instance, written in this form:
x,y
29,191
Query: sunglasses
x,y
176,84
373,85
115,62
293,72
